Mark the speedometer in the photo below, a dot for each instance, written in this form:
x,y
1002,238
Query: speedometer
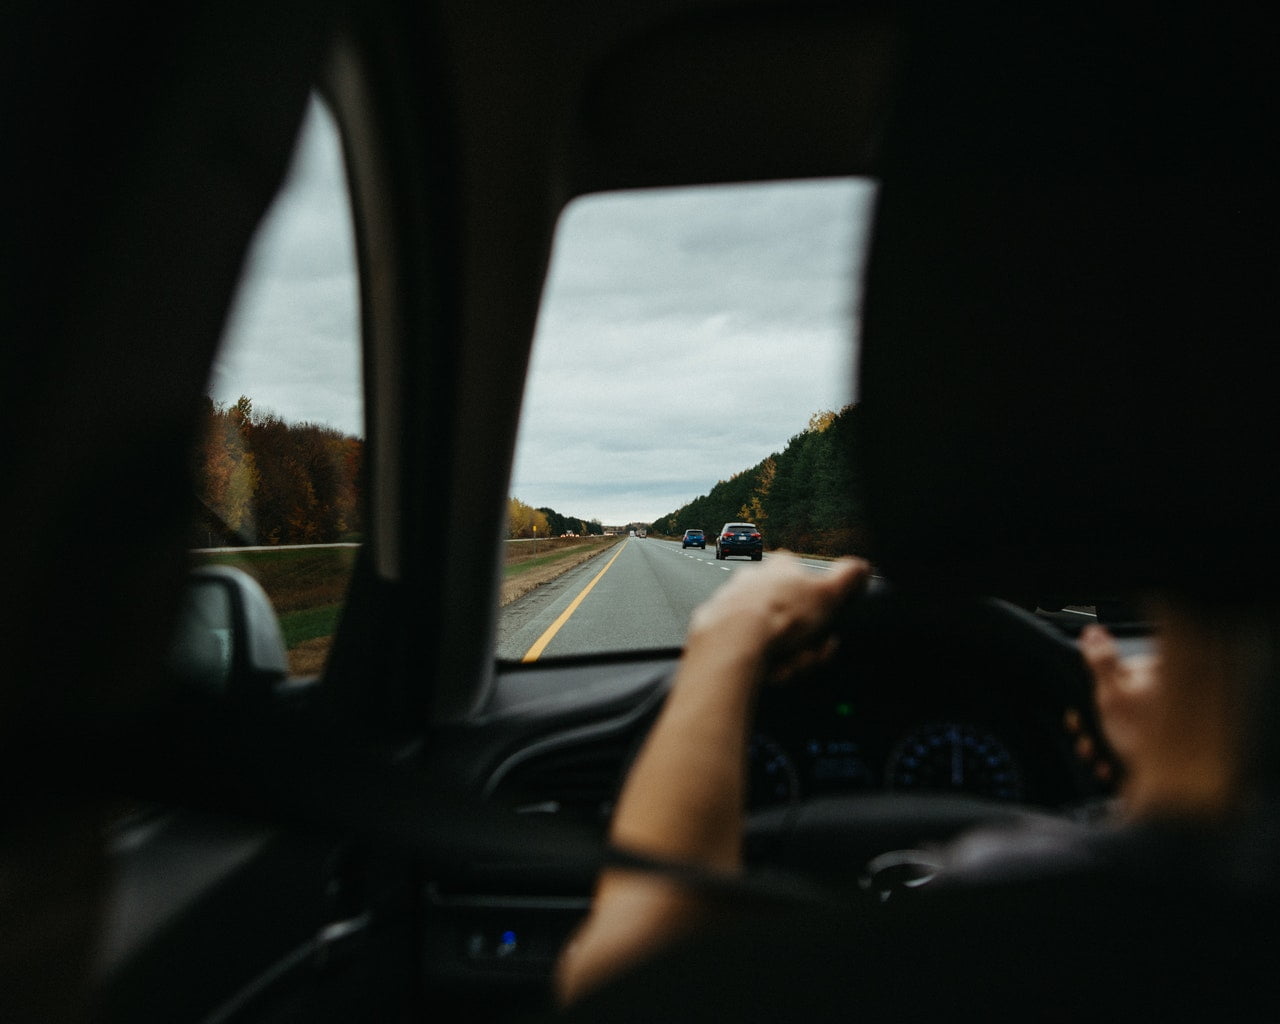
x,y
954,757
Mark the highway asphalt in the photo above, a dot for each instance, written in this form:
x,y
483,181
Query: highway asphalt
x,y
638,596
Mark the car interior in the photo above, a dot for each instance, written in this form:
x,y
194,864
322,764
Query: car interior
x,y
1064,383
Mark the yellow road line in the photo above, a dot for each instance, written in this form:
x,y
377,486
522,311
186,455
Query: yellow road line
x,y
540,645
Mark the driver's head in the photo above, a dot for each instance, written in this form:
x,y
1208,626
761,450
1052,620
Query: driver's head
x,y
1069,358
1069,362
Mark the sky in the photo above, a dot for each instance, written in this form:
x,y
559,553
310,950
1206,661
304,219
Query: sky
x,y
684,334
291,341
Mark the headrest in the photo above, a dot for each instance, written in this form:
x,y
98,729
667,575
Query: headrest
x,y
1072,315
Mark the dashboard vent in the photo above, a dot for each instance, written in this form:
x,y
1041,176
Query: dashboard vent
x,y
576,783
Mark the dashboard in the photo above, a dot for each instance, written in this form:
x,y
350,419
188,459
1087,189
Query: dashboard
x,y
878,732
990,704
926,722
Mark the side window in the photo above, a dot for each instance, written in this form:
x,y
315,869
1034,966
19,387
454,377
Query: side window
x,y
279,476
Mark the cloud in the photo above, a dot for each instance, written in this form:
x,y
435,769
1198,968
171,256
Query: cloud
x,y
695,329
292,341
684,334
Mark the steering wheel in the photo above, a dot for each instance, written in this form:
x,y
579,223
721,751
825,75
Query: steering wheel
x,y
885,840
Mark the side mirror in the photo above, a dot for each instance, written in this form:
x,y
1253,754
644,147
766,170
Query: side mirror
x,y
228,641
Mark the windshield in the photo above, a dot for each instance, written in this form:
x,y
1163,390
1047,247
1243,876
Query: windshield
x,y
693,364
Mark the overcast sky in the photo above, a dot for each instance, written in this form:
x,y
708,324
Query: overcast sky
x,y
684,335
292,338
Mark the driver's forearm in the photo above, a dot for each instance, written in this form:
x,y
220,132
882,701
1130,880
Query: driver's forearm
x,y
684,795
682,801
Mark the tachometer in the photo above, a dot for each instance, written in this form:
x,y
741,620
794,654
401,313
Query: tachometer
x,y
954,757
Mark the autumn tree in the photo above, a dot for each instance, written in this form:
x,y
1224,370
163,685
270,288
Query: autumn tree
x,y
226,471
820,421
753,511
524,520
262,480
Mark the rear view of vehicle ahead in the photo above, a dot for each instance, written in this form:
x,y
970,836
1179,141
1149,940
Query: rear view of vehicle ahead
x,y
693,539
740,539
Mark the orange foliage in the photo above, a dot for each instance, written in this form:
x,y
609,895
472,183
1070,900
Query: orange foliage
x,y
261,480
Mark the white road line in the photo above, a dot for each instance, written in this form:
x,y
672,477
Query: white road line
x,y
806,564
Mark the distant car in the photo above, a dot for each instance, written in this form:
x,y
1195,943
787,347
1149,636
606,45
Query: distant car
x,y
740,539
693,539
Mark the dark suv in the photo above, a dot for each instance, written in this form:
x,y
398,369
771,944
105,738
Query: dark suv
x,y
739,539
693,539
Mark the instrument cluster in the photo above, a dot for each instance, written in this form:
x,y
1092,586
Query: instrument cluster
x,y
1001,741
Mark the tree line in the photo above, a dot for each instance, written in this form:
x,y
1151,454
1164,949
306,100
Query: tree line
x,y
805,498
525,521
260,480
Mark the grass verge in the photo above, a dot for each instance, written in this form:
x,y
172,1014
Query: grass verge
x,y
534,562
309,623
295,579
308,586
521,577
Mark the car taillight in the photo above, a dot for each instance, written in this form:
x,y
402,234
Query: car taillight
x,y
755,536
726,536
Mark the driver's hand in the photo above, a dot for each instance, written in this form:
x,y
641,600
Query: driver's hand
x,y
683,798
780,614
1169,718
1126,690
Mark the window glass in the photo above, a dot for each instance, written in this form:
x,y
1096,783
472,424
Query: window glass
x,y
693,365
279,475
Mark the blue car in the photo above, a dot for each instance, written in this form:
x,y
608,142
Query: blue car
x,y
740,539
693,539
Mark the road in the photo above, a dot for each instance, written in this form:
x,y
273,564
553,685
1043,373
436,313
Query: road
x,y
637,596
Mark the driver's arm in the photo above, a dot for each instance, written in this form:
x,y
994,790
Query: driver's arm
x,y
683,799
